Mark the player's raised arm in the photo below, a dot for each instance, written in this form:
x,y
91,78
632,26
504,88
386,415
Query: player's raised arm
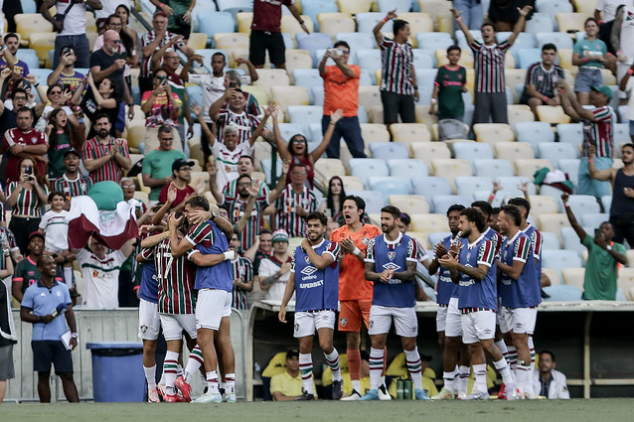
x,y
319,261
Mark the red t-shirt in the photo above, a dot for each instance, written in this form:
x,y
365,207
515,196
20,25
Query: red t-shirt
x,y
267,15
180,194
16,136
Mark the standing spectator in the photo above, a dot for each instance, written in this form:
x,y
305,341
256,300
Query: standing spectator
x,y
26,272
275,270
100,273
598,132
9,119
152,41
242,269
123,12
589,54
261,250
605,14
181,176
65,74
161,107
95,101
108,7
541,78
621,41
504,13
399,89
234,80
335,196
471,12
72,182
266,32
604,257
450,83
7,329
548,382
295,203
179,14
71,30
8,56
296,151
230,191
9,9
490,89
341,91
237,115
158,162
127,45
55,229
43,306
62,136
22,141
622,180
104,156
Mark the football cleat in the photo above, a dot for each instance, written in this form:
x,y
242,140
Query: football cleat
x,y
305,397
161,390
383,394
354,396
420,394
444,394
372,394
478,395
209,398
185,389
337,389
229,398
174,398
153,396
502,392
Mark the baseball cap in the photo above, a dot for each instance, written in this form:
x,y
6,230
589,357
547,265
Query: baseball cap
x,y
71,151
279,236
177,164
291,353
36,234
605,90
160,13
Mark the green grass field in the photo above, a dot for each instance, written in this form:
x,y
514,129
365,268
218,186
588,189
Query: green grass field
x,y
598,410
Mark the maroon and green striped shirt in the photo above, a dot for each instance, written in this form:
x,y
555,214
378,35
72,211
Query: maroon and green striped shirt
x,y
230,192
489,66
600,133
255,223
242,268
72,188
28,202
287,218
396,72
111,170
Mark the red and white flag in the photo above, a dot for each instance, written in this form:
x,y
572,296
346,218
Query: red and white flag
x,y
112,228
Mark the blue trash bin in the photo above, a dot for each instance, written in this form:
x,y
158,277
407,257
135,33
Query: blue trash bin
x,y
117,371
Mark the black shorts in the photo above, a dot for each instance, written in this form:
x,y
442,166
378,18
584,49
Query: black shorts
x,y
262,41
398,104
46,352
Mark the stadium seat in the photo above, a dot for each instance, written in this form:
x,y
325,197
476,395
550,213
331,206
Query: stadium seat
x,y
433,41
573,276
553,275
305,115
549,241
287,130
428,223
423,59
285,96
43,44
389,185
375,132
435,238
606,201
367,21
329,167
231,40
364,168
373,200
442,202
423,116
297,59
594,220
493,133
571,22
313,42
407,167
539,22
562,293
560,259
467,186
621,136
357,40
472,151
28,56
411,204
369,96
314,7
493,168
402,6
351,183
197,41
450,169
571,240
308,78
625,281
354,6
543,204
552,223
571,133
527,56
552,114
583,204
211,23
553,151
272,77
228,4
554,7
461,40
534,133
527,167
430,186
291,26
408,133
388,150
519,113
560,39
428,151
512,150
29,24
333,25
513,183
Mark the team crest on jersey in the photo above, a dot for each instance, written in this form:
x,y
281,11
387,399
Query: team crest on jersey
x,y
307,259
343,321
144,329
391,255
468,256
365,240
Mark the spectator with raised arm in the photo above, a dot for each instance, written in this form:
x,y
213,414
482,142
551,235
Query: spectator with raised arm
x,y
8,55
161,107
95,100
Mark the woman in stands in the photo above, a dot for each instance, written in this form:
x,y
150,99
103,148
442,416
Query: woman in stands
x,y
297,149
62,136
97,100
333,204
591,55
58,98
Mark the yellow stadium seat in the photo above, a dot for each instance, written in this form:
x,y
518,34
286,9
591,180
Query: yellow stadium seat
x,y
351,183
509,60
493,133
244,20
552,223
43,43
286,96
334,25
586,6
608,77
552,114
439,10
429,151
92,38
451,168
552,274
519,113
260,93
332,15
291,27
512,150
374,132
354,6
29,24
466,58
418,22
142,187
423,116
196,151
514,77
450,143
573,276
297,59
326,168
375,114
142,197
91,23
271,77
543,204
369,96
411,204
571,22
197,41
565,60
526,167
422,237
409,133
625,281
445,24
200,181
225,40
262,150
243,53
136,135
429,223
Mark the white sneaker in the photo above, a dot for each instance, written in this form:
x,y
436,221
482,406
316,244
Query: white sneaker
x,y
444,394
209,398
153,396
478,395
354,396
383,394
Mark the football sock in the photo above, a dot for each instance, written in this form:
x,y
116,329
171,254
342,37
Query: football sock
x,y
376,367
480,372
212,382
464,372
354,365
505,371
415,367
448,378
193,364
333,361
150,376
356,386
306,371
230,383
170,370
512,357
521,374
505,350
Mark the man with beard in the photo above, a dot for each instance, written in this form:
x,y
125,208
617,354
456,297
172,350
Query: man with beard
x,y
20,141
104,156
355,292
181,175
474,270
27,272
315,277
72,183
275,268
391,264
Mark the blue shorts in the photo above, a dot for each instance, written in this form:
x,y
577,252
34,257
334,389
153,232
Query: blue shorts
x,y
587,77
46,352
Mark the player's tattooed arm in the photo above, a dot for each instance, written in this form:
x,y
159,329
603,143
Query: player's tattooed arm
x,y
370,275
408,275
319,261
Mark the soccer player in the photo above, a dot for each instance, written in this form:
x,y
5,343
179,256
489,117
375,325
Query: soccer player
x,y
391,264
214,285
520,293
355,292
315,276
448,319
474,270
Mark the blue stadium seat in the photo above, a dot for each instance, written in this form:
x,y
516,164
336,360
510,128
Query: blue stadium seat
x,y
461,40
357,40
443,202
540,22
571,133
423,59
198,9
390,186
389,150
528,56
471,151
318,95
583,204
366,79
364,168
211,23
229,4
312,43
435,238
29,6
562,292
433,41
366,21
41,75
430,186
425,79
401,6
570,166
308,78
370,60
560,39
305,114
553,151
373,200
287,130
407,167
571,240
621,135
466,186
523,40
314,7
550,241
315,132
289,44
606,201
546,190
493,168
561,259
512,183
266,169
534,133
593,221
362,114
553,7
29,57
194,95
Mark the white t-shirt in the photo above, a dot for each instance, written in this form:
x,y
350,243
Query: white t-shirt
x,y
213,88
101,279
55,229
110,6
629,112
75,20
626,37
608,7
227,161
276,291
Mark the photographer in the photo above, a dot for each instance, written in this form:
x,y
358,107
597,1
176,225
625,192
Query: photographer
x,y
161,107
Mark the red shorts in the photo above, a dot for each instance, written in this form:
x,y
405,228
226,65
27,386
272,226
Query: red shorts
x,y
352,312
